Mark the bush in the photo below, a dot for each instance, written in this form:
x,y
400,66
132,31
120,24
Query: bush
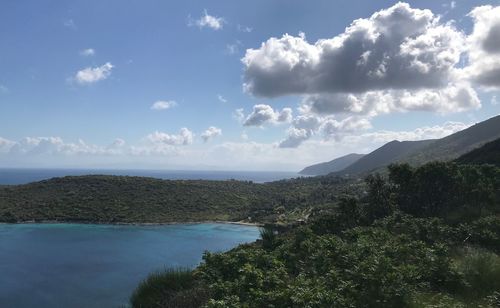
x,y
481,270
170,288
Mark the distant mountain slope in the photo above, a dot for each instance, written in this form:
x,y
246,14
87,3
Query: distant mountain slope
x,y
487,154
452,146
383,156
332,166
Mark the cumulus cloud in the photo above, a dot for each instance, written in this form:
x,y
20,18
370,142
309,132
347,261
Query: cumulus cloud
x,y
398,59
305,126
455,97
163,105
211,133
265,114
484,47
91,75
208,21
87,52
185,137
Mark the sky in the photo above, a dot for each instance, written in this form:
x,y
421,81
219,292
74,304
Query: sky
x,y
234,85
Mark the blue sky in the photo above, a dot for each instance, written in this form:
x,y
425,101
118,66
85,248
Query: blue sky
x,y
163,84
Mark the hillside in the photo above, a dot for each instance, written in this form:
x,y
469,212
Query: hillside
x,y
332,166
419,237
457,144
383,156
487,154
125,199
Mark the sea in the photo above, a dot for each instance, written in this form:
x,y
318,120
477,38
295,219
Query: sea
x,y
13,176
84,265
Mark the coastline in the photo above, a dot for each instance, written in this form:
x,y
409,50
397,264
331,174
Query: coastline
x,y
242,223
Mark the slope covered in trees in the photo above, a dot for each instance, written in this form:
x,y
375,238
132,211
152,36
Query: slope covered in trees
x,y
383,156
423,237
113,199
487,154
452,146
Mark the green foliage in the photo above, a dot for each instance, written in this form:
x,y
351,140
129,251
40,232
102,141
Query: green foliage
x,y
122,199
423,237
268,236
453,192
487,154
170,288
481,270
379,198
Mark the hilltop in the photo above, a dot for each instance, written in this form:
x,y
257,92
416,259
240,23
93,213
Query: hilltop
x,y
332,166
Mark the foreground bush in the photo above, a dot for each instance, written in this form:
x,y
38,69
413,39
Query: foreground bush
x,y
170,288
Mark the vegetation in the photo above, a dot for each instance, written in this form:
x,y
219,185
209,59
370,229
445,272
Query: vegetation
x,y
487,154
122,199
421,237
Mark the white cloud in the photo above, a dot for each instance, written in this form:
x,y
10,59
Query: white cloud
x,y
453,4
87,52
484,47
399,59
295,136
163,151
3,89
211,133
185,137
222,99
53,146
308,125
455,97
91,75
208,21
163,105
264,114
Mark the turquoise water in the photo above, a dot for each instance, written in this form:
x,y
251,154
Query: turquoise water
x,y
76,265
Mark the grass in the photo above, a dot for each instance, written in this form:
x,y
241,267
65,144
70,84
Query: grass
x,y
169,288
481,271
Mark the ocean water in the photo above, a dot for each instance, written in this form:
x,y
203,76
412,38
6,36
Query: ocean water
x,y
22,176
79,265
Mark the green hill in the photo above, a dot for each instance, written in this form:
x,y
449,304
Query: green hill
x,y
125,199
383,156
457,144
487,154
332,166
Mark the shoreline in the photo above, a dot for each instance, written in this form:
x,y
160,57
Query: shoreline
x,y
242,223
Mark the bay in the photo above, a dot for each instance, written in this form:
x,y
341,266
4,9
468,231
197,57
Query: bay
x,y
85,265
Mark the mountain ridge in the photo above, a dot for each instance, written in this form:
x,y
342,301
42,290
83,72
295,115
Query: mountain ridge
x,y
334,165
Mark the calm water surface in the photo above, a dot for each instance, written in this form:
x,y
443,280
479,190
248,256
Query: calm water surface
x,y
75,265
